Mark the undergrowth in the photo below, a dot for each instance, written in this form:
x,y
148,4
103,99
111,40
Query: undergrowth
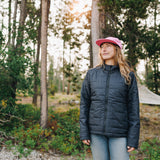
x,y
62,134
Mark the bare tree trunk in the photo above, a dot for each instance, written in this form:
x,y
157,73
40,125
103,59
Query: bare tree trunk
x,y
68,87
14,23
37,67
155,66
95,31
63,85
90,51
9,24
36,74
21,24
98,23
44,27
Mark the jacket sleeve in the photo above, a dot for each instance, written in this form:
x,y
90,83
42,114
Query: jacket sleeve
x,y
133,113
84,109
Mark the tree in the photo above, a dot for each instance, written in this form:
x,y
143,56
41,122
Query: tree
x,y
17,51
64,28
44,27
151,40
52,84
15,60
95,30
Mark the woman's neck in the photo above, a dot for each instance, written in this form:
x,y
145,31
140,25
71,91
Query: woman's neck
x,y
110,62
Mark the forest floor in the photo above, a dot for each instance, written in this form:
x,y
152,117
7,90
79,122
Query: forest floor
x,y
150,115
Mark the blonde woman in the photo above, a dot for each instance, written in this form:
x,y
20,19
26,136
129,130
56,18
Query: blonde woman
x,y
109,109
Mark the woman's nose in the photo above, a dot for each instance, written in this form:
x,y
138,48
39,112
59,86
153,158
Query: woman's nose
x,y
104,49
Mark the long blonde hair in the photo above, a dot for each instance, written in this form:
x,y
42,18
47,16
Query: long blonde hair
x,y
120,60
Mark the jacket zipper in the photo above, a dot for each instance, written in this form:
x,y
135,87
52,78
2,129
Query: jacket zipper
x,y
106,98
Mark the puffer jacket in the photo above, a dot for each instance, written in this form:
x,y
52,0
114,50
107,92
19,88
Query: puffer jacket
x,y
109,106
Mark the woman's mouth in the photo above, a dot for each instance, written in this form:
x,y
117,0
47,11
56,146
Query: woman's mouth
x,y
105,53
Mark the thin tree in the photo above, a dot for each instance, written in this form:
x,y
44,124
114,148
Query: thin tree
x,y
14,23
35,88
9,23
95,30
44,28
97,25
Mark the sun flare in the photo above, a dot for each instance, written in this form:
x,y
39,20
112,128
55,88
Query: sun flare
x,y
80,6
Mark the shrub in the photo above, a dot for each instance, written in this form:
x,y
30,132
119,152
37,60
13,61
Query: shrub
x,y
21,115
66,138
31,137
62,132
151,149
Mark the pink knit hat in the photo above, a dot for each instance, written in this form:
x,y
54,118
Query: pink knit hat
x,y
113,40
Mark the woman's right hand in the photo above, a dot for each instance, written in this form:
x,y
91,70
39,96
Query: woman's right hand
x,y
87,142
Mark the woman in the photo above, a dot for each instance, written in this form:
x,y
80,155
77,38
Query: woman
x,y
109,109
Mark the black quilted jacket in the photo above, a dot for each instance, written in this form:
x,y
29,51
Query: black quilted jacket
x,y
109,106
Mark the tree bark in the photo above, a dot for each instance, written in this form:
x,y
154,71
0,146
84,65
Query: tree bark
x,y
95,31
44,27
97,25
36,71
19,42
63,84
37,66
155,66
14,23
21,24
9,24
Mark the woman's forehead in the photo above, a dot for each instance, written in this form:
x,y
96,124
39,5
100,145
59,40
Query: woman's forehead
x,y
106,43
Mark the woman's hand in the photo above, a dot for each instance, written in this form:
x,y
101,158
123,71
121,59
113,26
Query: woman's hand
x,y
87,142
130,149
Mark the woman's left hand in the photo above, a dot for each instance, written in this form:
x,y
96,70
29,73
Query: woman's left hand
x,y
130,149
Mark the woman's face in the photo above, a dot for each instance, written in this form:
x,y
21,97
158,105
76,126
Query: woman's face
x,y
108,52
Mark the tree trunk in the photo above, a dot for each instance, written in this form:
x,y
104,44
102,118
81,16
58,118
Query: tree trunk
x,y
95,30
14,23
44,27
155,68
63,85
68,87
97,24
90,51
21,24
36,73
37,67
9,24
13,81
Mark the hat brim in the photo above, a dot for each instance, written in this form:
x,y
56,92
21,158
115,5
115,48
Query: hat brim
x,y
100,41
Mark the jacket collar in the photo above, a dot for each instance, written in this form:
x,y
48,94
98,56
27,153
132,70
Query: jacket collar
x,y
109,67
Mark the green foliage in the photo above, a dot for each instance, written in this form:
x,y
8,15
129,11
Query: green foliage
x,y
66,137
31,137
62,132
151,43
14,64
21,115
76,81
52,86
149,150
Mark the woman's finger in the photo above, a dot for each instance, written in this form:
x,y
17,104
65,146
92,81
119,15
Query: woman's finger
x,y
130,149
87,142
